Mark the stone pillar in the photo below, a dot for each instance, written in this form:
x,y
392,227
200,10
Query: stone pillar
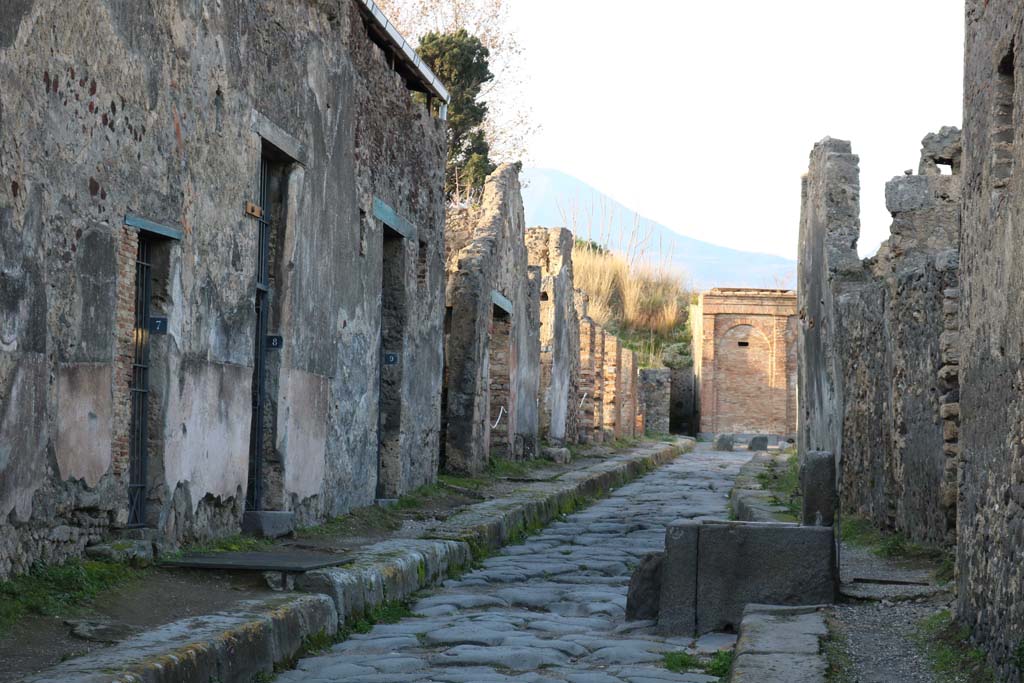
x,y
613,387
818,488
587,380
598,434
656,393
550,250
627,404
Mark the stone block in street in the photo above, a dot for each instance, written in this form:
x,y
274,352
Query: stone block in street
x,y
677,612
644,594
758,443
724,442
818,486
739,563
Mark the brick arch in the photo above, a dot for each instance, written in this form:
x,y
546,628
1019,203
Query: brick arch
x,y
743,378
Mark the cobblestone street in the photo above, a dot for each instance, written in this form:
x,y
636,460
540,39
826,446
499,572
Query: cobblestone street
x,y
552,608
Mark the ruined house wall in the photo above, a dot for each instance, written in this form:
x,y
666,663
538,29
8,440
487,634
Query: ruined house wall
x,y
550,249
613,387
829,226
889,338
487,255
923,260
745,342
990,525
599,433
627,397
154,109
682,411
656,395
590,384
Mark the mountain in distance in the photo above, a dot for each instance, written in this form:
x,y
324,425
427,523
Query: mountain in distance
x,y
554,199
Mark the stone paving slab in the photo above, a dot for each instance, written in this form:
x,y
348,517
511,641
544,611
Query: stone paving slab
x,y
781,645
233,646
550,608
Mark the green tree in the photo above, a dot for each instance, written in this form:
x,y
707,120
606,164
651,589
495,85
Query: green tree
x,y
460,60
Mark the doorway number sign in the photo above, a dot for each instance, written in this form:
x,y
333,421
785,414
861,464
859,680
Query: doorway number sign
x,y
158,325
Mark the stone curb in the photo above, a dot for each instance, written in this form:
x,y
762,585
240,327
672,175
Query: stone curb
x,y
781,644
226,646
749,501
395,569
231,647
498,522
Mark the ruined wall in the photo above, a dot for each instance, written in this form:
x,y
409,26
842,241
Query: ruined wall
x,y
627,397
550,249
614,385
154,109
990,529
590,384
829,227
599,434
656,395
745,342
682,408
488,270
882,350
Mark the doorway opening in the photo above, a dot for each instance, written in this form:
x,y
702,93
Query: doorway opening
x,y
499,382
443,429
265,489
393,316
138,447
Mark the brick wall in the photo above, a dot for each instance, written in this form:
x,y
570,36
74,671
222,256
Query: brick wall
x,y
746,372
612,419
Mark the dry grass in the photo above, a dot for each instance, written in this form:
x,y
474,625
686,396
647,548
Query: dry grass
x,y
644,304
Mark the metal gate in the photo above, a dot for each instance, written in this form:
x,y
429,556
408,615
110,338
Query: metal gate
x,y
138,455
254,490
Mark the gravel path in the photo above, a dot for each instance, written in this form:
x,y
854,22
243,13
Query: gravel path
x,y
550,609
879,629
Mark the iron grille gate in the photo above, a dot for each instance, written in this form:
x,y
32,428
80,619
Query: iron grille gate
x,y
254,491
139,446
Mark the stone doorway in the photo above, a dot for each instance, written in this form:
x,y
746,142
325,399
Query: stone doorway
x,y
393,317
499,373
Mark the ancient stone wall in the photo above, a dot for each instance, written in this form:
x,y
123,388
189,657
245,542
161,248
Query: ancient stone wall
x,y
746,372
613,387
829,226
879,356
990,527
682,411
550,249
627,398
600,434
590,383
489,279
656,395
119,114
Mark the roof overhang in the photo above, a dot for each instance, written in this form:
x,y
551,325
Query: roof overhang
x,y
407,62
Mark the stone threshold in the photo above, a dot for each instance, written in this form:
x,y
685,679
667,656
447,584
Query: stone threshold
x,y
780,644
236,645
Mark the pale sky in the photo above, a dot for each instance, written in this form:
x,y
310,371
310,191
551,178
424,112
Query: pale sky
x,y
701,114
